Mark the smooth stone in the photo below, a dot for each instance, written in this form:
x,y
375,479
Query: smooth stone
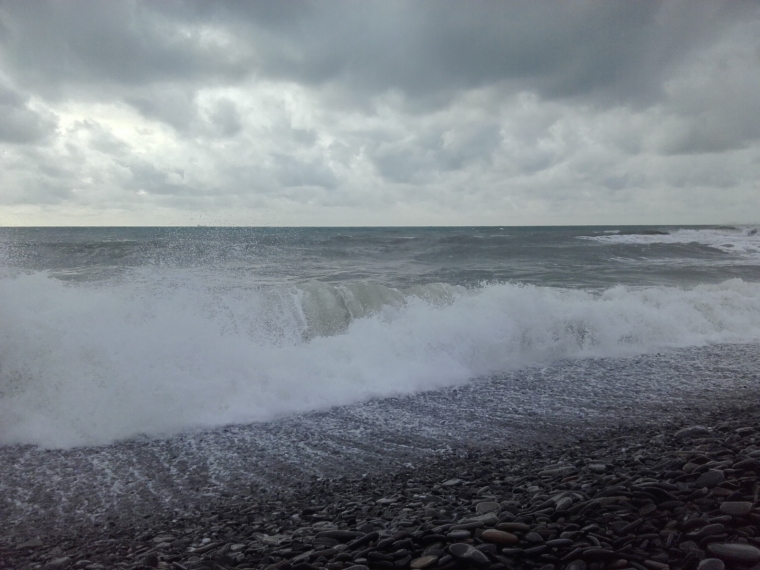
x,y
469,553
339,535
499,537
513,527
451,482
557,471
735,552
597,554
357,567
33,543
736,508
710,479
488,519
487,507
597,467
708,530
559,542
711,564
423,562
564,503
534,537
59,562
458,535
576,565
692,431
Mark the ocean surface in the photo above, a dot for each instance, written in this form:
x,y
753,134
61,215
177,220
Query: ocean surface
x,y
151,372
108,334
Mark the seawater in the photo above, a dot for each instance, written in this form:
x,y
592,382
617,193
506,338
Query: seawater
x,y
108,334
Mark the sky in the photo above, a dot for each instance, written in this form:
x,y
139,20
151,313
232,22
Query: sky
x,y
379,112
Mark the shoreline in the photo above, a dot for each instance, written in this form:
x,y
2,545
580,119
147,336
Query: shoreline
x,y
311,522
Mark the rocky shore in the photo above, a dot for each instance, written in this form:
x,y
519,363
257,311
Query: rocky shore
x,y
646,497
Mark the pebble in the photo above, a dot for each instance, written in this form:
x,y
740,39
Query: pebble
x,y
693,431
33,543
736,552
486,507
711,564
423,562
534,537
710,479
647,508
736,508
468,553
513,527
499,537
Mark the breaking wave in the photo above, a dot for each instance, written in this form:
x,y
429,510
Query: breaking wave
x,y
88,364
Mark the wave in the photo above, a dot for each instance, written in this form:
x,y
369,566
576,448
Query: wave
x,y
93,364
743,241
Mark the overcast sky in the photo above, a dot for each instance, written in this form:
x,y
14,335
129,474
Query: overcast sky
x,y
425,112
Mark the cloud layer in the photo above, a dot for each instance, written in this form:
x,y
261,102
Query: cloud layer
x,y
379,112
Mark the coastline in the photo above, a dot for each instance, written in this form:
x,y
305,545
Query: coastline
x,y
595,476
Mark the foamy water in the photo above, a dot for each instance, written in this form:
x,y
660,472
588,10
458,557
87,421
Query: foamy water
x,y
90,364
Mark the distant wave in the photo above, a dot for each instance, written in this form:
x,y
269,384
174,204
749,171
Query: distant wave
x,y
727,239
91,364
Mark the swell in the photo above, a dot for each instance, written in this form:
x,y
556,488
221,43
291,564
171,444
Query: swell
x,y
89,364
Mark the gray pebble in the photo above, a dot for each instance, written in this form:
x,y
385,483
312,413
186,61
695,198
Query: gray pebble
x,y
711,564
468,553
744,553
693,431
710,479
736,508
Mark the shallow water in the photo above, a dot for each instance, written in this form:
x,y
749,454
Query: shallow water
x,y
87,487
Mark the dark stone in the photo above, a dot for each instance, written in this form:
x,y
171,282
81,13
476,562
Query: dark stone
x,y
710,479
468,553
744,553
711,564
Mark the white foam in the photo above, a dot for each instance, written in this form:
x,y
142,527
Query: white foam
x,y
743,241
85,364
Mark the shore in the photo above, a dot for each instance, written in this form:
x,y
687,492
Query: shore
x,y
679,494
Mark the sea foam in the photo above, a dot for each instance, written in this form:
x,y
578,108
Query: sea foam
x,y
89,364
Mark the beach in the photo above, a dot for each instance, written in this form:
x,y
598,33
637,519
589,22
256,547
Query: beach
x,y
423,492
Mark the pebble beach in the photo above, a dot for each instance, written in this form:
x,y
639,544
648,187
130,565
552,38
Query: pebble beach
x,y
681,494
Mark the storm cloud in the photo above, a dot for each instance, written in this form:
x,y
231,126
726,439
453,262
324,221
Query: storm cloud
x,y
379,112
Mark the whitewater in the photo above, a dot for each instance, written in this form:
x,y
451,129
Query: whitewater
x,y
111,334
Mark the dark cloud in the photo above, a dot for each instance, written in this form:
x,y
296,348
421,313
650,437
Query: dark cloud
x,y
55,45
567,49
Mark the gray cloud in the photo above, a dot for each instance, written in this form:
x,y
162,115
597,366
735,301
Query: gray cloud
x,y
439,112
20,124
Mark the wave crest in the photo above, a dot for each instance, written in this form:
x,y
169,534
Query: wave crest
x,y
86,364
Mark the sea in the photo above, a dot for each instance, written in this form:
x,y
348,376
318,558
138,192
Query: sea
x,y
143,364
